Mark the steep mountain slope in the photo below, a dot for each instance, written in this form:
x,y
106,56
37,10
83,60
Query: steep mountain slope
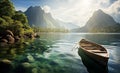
x,y
100,22
38,18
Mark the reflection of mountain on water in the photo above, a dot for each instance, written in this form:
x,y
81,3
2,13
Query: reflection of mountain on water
x,y
91,65
105,39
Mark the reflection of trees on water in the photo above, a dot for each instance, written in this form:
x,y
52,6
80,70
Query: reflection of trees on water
x,y
26,57
91,65
10,51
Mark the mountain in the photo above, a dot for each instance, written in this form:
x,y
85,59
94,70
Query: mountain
x,y
38,18
100,22
68,25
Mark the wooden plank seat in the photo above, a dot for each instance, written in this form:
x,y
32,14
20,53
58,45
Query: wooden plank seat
x,y
97,51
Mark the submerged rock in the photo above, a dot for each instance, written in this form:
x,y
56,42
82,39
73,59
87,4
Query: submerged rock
x,y
5,66
30,58
26,65
23,68
26,43
34,70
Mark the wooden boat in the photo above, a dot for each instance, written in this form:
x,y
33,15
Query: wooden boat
x,y
95,51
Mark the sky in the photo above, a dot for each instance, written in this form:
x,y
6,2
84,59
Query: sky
x,y
73,11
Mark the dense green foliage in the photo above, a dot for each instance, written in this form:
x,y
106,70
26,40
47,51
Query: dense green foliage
x,y
20,17
6,8
38,29
13,20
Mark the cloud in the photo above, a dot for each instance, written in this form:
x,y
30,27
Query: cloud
x,y
112,1
46,8
77,12
20,8
74,11
114,10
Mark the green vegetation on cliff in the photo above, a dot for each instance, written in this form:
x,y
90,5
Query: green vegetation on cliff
x,y
13,20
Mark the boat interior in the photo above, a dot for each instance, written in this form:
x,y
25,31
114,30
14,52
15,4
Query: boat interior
x,y
93,48
96,50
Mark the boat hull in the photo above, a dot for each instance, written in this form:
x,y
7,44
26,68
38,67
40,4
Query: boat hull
x,y
96,57
91,65
99,59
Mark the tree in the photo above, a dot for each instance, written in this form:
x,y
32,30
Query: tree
x,y
20,17
8,19
17,28
3,24
12,20
6,8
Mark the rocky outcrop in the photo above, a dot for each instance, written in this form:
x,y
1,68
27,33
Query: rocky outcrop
x,y
8,32
17,38
24,68
4,40
9,38
5,66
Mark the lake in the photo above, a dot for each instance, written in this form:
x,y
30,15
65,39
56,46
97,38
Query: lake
x,y
61,55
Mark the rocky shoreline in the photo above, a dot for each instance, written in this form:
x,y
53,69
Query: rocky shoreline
x,y
8,37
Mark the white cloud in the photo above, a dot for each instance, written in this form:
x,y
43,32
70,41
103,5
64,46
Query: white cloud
x,y
20,8
79,11
46,8
113,10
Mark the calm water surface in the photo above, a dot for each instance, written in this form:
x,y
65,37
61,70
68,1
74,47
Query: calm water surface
x,y
62,57
64,54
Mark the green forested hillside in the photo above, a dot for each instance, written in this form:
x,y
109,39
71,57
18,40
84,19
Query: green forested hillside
x,y
12,20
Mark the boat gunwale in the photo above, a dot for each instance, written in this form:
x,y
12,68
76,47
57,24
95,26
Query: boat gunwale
x,y
107,57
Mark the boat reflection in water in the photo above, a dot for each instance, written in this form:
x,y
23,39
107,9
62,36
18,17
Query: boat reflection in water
x,y
91,65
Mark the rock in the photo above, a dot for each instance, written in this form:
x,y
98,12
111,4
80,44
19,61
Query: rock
x,y
2,44
3,41
8,32
36,36
10,39
26,43
30,58
17,38
5,66
34,70
24,68
53,63
26,65
29,36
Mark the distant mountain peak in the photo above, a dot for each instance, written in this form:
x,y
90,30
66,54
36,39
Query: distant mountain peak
x,y
100,22
34,7
99,10
38,18
100,18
